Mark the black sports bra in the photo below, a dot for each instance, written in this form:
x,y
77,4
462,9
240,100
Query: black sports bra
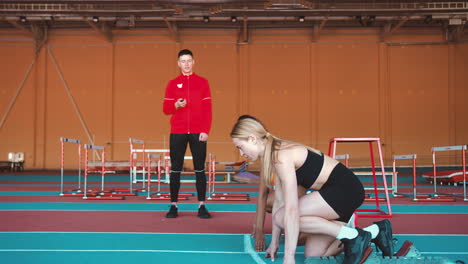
x,y
309,171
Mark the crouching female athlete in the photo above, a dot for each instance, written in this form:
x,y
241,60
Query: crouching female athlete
x,y
322,215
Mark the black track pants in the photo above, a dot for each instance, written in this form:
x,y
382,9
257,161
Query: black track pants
x,y
178,146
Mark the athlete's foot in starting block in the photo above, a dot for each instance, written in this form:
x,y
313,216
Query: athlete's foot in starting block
x,y
384,240
407,254
356,249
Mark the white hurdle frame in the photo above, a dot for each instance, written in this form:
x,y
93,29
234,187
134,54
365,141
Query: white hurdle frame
x,y
167,175
395,177
133,162
158,170
166,162
62,161
462,148
103,155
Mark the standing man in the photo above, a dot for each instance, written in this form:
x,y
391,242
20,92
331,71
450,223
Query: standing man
x,y
188,100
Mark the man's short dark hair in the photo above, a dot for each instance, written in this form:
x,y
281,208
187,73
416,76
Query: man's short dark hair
x,y
184,52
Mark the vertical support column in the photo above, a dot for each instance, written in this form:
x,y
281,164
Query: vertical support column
x,y
314,98
384,98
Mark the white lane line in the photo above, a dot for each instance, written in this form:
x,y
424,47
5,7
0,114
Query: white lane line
x,y
251,251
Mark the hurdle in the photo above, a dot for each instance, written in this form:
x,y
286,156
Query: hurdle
x,y
212,195
344,157
159,195
395,177
62,161
134,170
378,212
461,148
101,195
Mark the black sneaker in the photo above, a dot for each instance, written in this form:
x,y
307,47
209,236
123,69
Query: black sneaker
x,y
354,248
384,240
203,213
172,212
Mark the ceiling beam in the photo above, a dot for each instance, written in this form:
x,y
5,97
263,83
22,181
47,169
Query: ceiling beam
x,y
19,26
40,32
389,30
173,30
104,30
318,28
455,33
243,32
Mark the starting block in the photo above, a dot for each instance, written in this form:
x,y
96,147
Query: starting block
x,y
407,254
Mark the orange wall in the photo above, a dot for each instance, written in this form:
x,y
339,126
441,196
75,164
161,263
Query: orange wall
x,y
411,92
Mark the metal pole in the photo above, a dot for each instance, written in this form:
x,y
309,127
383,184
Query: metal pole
x,y
61,166
434,170
79,167
464,172
85,172
414,179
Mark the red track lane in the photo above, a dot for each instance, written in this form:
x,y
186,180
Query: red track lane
x,y
134,199
188,222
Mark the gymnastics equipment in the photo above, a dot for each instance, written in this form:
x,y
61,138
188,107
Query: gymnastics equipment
x,y
407,254
214,196
159,195
102,194
461,148
378,212
74,192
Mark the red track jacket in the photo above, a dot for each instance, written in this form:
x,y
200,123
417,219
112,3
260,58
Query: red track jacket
x,y
196,116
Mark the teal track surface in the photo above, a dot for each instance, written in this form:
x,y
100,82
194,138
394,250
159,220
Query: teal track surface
x,y
81,247
151,247
190,207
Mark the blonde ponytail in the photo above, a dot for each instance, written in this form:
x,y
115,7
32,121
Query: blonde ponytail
x,y
247,125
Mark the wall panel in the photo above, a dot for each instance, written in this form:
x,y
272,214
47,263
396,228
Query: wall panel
x,y
419,98
86,72
141,74
348,94
411,91
279,89
17,131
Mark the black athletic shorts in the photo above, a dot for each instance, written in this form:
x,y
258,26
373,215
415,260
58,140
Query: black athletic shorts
x,y
343,192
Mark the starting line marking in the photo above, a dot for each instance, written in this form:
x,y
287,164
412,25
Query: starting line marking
x,y
251,251
122,250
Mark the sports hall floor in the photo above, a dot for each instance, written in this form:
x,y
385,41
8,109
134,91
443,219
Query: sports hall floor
x,y
38,226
